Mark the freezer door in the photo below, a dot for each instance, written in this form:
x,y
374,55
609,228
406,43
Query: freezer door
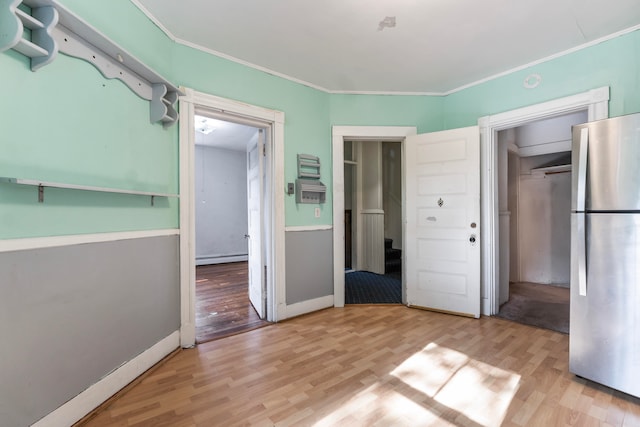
x,y
604,339
613,159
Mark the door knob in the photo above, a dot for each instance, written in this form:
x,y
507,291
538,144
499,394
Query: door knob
x,y
472,239
246,236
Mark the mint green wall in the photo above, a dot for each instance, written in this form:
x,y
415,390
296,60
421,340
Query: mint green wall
x,y
67,123
614,63
425,112
306,115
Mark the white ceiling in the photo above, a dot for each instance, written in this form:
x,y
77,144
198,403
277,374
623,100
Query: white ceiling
x,y
223,134
437,46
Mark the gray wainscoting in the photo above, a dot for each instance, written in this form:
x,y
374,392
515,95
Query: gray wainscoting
x,y
309,265
70,315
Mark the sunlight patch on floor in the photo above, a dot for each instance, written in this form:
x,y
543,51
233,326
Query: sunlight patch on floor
x,y
436,386
475,390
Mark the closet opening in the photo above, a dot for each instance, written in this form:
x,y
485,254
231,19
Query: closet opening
x,y
534,186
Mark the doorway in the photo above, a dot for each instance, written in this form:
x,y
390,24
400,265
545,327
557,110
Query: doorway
x,y
271,266
373,222
340,134
534,183
224,208
594,102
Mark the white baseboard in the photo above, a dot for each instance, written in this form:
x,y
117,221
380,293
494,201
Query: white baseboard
x,y
308,228
309,306
221,259
91,398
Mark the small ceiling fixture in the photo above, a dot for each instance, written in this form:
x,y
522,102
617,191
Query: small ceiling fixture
x,y
204,125
387,22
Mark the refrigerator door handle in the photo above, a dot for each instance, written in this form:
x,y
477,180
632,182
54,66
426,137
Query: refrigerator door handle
x,y
581,253
583,149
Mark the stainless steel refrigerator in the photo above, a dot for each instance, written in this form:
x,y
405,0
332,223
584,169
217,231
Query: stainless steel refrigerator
x,y
604,337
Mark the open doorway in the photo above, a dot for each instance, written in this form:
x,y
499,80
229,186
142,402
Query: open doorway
x,y
229,225
595,102
272,122
373,222
534,186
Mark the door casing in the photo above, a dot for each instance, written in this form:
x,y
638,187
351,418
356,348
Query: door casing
x,y
275,230
595,102
339,135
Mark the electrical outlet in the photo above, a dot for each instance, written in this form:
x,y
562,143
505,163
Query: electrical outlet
x,y
317,212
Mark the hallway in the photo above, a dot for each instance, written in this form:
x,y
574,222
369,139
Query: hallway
x,y
222,302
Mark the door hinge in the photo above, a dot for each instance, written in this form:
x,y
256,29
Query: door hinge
x,y
264,150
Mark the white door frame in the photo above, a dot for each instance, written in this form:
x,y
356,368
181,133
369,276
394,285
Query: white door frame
x,y
595,101
353,133
275,251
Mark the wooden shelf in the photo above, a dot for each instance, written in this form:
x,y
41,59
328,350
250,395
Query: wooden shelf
x,y
29,21
549,170
29,49
43,184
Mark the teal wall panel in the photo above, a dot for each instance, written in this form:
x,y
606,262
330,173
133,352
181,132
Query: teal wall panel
x,y
614,63
66,123
306,111
97,130
424,112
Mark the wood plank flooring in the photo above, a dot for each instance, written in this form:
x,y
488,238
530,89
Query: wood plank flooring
x,y
374,366
222,301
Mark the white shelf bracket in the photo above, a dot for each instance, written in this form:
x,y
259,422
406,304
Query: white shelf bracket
x,y
52,28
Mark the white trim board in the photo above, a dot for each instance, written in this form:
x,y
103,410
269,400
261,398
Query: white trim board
x,y
308,228
339,135
209,260
595,102
85,402
13,245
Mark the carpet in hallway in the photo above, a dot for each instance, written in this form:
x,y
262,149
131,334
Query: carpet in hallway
x,y
364,287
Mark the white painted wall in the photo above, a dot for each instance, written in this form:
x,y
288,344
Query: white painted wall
x,y
544,223
221,205
392,191
371,230
513,185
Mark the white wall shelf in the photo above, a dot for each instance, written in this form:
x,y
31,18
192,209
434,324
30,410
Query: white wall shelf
x,y
51,29
552,169
43,184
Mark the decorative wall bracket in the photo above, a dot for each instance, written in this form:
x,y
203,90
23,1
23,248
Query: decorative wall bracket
x,y
40,29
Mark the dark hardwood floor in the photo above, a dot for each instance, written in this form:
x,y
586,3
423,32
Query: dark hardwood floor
x,y
222,302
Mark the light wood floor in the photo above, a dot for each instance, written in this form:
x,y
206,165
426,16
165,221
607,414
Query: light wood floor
x,y
222,301
374,366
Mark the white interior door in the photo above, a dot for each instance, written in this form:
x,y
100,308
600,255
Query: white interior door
x,y
443,221
255,166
